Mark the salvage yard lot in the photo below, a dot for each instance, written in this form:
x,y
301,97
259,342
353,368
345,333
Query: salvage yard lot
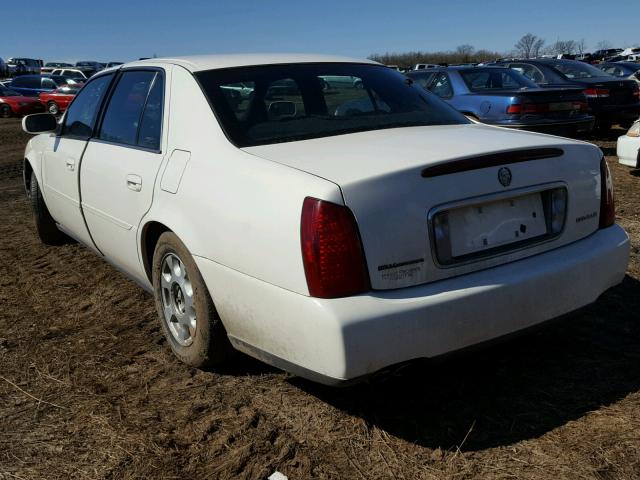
x,y
89,388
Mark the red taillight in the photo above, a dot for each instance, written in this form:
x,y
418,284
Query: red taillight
x,y
596,92
332,254
515,108
528,108
607,202
636,92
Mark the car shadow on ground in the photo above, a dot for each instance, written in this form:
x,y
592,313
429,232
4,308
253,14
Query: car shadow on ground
x,y
509,392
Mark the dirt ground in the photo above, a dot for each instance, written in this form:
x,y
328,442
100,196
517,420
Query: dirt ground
x,y
90,390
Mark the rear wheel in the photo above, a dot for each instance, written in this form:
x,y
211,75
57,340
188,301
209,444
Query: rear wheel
x,y
188,317
53,108
45,224
5,111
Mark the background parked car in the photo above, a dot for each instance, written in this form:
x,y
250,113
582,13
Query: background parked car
x,y
70,73
422,66
611,100
12,103
89,68
51,66
57,101
600,55
628,148
629,70
501,96
113,64
23,66
34,85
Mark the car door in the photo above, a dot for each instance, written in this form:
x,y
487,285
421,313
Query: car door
x,y
121,163
61,163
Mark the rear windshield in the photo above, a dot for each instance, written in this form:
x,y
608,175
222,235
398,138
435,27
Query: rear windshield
x,y
577,70
266,104
480,80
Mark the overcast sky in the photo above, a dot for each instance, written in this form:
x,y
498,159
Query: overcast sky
x,y
119,30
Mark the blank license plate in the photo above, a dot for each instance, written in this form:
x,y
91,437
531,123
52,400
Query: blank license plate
x,y
560,106
481,227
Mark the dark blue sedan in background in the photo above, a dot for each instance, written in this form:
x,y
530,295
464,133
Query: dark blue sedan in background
x,y
502,97
34,85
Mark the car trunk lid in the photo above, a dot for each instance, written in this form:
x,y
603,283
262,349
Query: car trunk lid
x,y
395,181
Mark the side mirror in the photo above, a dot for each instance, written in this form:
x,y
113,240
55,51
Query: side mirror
x,y
282,109
40,123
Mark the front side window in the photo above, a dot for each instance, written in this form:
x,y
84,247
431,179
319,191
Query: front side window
x,y
126,113
266,104
81,114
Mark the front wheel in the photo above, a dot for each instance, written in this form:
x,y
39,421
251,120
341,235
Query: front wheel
x,y
188,317
5,111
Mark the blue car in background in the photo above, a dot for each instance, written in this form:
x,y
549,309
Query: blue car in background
x,y
502,97
626,70
34,85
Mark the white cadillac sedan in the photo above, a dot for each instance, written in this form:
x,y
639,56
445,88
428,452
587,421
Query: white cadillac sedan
x,y
330,232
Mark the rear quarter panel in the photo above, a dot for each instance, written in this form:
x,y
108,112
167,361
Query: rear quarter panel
x,y
231,207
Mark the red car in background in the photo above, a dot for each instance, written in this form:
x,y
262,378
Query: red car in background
x,y
12,103
58,100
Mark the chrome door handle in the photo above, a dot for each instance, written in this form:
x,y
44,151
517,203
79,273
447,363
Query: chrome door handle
x,y
134,182
71,164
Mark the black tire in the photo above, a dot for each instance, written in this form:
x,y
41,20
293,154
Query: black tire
x,y
45,224
52,108
5,111
210,345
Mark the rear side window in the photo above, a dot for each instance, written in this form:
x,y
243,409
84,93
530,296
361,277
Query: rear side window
x,y
48,83
495,79
529,71
151,124
126,112
423,79
81,114
441,86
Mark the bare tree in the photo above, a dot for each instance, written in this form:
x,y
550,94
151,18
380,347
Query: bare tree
x,y
581,46
465,51
537,47
525,46
603,45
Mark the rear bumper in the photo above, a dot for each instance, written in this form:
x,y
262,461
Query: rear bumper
x,y
335,340
564,128
628,151
617,113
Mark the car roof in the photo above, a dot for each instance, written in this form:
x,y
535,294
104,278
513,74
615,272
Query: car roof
x,y
455,68
197,63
